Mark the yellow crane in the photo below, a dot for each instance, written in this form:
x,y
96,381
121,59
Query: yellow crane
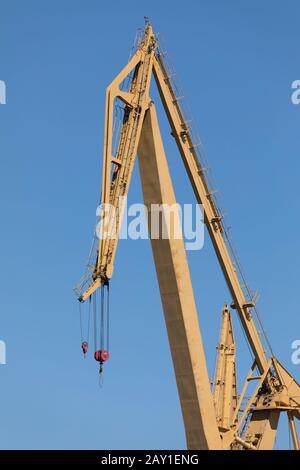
x,y
213,419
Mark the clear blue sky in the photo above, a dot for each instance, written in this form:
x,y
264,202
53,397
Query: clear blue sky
x,y
236,61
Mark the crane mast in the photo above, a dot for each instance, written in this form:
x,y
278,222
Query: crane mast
x,y
212,421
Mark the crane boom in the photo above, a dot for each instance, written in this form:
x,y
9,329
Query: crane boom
x,y
222,425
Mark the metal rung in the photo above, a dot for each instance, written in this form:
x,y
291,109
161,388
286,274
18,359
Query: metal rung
x,y
246,445
255,377
116,161
249,305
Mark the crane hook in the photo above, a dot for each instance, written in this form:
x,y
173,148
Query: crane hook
x,y
84,347
101,356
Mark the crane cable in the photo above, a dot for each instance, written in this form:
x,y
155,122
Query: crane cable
x,y
107,317
95,319
101,325
104,317
85,337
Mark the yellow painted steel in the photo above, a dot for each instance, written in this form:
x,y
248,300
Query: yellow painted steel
x,y
211,421
225,384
